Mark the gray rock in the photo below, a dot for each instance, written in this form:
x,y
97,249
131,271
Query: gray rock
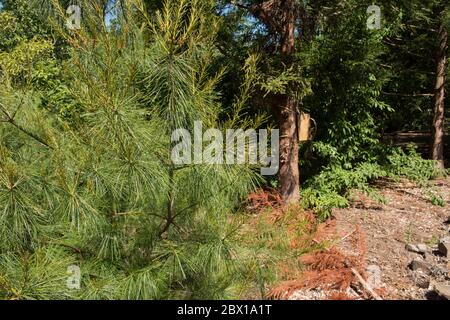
x,y
442,290
439,271
417,248
422,281
420,265
411,248
444,246
422,248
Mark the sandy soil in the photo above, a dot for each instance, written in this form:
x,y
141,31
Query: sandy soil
x,y
407,217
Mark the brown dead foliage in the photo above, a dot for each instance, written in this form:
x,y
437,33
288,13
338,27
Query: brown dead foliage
x,y
263,199
328,270
326,231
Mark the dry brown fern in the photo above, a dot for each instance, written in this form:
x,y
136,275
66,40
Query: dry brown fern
x,y
328,270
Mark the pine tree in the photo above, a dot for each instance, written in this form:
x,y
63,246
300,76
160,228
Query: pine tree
x,y
102,192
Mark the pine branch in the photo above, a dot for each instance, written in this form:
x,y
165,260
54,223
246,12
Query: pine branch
x,y
11,120
170,204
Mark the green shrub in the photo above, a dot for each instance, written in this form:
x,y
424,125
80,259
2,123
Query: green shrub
x,y
331,188
411,165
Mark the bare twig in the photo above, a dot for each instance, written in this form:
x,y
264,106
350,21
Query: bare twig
x,y
365,284
347,236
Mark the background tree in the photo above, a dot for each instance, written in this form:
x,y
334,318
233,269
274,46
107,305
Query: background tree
x,y
438,131
324,46
278,21
415,77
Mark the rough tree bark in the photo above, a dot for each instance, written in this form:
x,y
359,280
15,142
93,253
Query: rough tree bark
x,y
279,16
439,99
289,164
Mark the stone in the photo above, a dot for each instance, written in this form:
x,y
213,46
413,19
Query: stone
x,y
422,281
420,265
444,247
442,290
439,271
411,248
422,248
417,248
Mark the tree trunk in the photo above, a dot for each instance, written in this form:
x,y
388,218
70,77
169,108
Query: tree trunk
x,y
289,161
279,16
289,166
439,99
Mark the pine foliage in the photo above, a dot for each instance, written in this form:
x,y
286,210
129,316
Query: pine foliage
x,y
100,191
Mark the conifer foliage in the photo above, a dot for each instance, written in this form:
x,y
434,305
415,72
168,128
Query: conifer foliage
x,y
100,192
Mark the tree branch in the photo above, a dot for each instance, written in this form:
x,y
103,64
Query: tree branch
x,y
10,119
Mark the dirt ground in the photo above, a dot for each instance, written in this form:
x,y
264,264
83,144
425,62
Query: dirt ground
x,y
407,217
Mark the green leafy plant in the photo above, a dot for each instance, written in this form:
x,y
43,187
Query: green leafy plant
x,y
332,187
